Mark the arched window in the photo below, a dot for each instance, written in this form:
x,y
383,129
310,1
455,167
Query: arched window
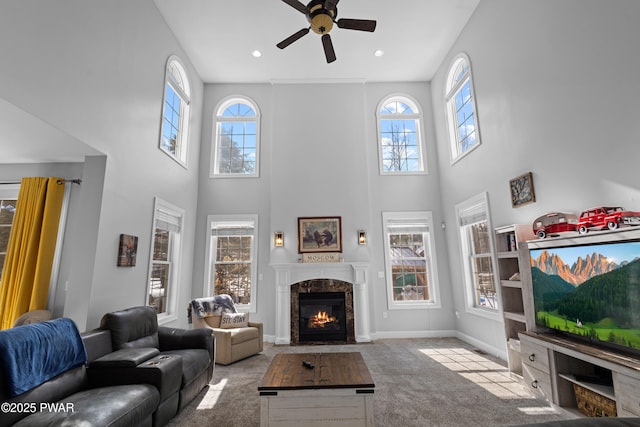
x,y
236,144
175,111
400,141
461,108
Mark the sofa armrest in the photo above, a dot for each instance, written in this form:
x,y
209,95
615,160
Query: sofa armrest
x,y
125,358
162,371
97,342
180,339
260,332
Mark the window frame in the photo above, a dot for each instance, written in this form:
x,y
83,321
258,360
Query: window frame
x,y
208,289
184,93
451,90
416,115
162,207
8,192
425,217
218,119
480,201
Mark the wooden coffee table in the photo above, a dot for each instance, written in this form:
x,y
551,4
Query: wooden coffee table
x,y
337,391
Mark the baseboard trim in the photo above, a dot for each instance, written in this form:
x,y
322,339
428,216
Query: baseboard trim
x,y
426,334
501,354
384,335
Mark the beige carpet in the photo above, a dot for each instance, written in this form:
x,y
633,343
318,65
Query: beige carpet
x,y
419,382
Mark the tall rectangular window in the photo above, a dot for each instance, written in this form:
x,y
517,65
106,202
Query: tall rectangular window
x,y
410,259
7,210
165,257
233,258
478,259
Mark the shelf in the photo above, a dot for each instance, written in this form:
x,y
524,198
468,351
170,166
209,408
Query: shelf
x,y
508,254
518,317
511,283
603,390
507,242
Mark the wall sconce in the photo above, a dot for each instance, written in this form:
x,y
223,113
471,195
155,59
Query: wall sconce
x,y
278,239
362,237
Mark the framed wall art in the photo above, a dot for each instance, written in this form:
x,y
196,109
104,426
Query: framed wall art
x,y
319,234
127,250
522,192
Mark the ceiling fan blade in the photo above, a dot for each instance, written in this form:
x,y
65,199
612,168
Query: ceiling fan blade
x,y
293,37
357,24
329,53
297,5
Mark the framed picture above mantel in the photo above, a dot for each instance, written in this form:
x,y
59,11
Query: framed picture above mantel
x,y
319,234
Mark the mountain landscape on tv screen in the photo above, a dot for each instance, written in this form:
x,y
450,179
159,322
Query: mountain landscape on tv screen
x,y
593,297
580,271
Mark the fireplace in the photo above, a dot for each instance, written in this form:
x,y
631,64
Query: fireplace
x,y
293,279
322,312
322,317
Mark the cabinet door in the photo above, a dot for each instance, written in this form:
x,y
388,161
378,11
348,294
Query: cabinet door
x,y
627,395
537,381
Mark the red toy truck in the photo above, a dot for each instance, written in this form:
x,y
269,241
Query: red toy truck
x,y
606,217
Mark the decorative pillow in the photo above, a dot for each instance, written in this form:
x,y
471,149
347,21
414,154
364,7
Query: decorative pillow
x,y
234,320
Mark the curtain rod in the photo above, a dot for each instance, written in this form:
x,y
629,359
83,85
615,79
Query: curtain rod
x,y
73,181
60,181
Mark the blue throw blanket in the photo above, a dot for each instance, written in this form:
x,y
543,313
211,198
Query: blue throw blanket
x,y
32,354
210,306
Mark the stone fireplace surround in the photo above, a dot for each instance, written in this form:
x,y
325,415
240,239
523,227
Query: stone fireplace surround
x,y
320,286
292,273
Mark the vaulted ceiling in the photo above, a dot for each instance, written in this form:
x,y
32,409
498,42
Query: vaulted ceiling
x,y
219,37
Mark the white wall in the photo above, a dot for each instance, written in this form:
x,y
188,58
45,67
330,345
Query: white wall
x,y
95,70
319,158
69,171
557,95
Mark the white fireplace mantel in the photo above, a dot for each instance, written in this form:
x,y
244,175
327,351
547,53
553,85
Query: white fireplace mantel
x,y
352,272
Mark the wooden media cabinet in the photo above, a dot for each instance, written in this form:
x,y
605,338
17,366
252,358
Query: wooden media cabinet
x,y
551,365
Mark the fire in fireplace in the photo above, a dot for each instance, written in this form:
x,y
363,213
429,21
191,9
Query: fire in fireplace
x,y
322,316
322,319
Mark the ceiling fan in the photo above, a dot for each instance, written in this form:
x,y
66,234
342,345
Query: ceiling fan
x,y
321,14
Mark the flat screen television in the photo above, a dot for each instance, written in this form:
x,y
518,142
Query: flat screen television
x,y
589,289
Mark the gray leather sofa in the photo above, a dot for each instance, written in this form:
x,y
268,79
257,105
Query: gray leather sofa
x,y
136,374
137,340
71,398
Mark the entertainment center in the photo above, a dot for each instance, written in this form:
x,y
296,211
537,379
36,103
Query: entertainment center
x,y
581,302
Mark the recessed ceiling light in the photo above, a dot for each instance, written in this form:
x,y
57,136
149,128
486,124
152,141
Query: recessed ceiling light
x,y
256,54
378,52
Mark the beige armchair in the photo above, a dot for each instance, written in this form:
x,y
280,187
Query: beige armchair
x,y
33,316
232,343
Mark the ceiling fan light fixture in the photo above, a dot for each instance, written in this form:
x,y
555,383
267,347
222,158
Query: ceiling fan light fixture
x,y
378,52
321,23
256,53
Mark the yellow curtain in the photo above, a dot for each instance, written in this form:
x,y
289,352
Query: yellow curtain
x,y
32,243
